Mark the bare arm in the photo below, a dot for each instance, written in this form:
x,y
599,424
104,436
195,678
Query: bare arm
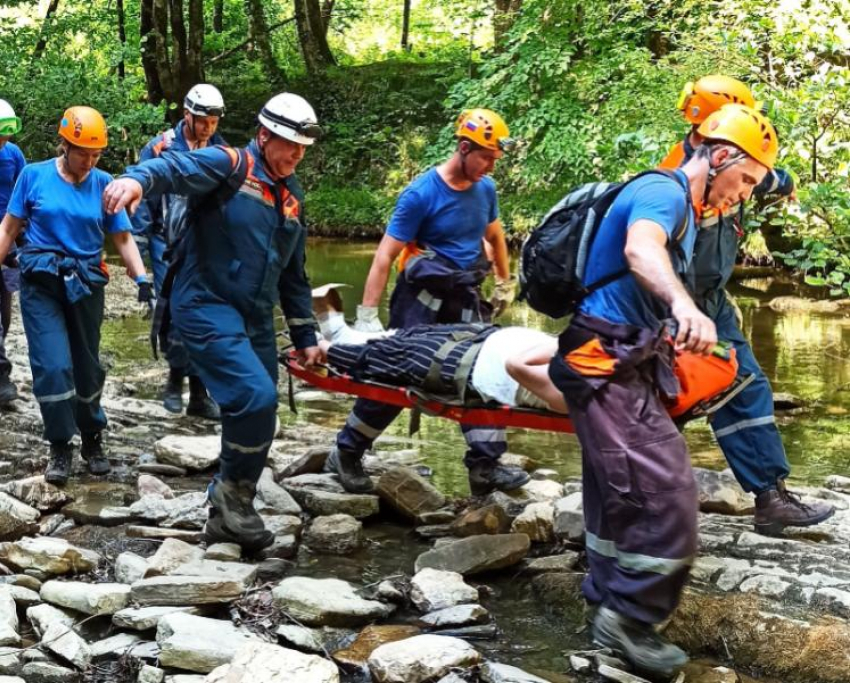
x,y
388,250
495,237
126,247
531,370
10,228
649,261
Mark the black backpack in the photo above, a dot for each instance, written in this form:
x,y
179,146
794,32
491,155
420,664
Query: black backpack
x,y
553,259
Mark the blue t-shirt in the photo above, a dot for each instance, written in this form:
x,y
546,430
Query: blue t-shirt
x,y
62,216
654,198
12,162
449,222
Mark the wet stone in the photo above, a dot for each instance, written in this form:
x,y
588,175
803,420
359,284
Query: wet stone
x,y
537,522
408,493
319,503
37,493
162,470
313,482
197,643
326,602
611,674
283,525
565,562
477,554
281,549
356,655
334,535
83,513
420,658
185,590
310,462
313,639
462,615
149,485
88,598
491,672
52,556
274,664
185,512
490,519
434,589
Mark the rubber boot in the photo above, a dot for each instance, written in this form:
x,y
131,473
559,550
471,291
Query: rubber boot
x,y
59,468
8,391
779,507
485,478
200,403
232,517
92,452
172,394
638,642
348,466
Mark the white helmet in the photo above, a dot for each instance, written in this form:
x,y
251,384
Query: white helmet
x,y
9,123
291,116
204,100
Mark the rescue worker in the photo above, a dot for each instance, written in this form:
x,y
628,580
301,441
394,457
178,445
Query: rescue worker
x,y
614,366
436,233
238,257
12,162
57,202
745,428
157,220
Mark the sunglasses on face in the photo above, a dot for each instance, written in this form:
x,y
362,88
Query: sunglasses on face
x,y
9,127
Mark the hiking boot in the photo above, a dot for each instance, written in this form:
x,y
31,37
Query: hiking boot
x,y
200,403
172,393
59,468
232,517
92,452
484,479
779,507
348,466
8,391
638,642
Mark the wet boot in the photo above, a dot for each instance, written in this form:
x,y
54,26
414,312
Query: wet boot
x,y
638,642
348,466
232,517
487,477
92,452
172,394
59,468
778,508
8,391
200,403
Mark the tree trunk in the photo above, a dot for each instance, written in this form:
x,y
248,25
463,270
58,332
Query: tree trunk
x,y
45,30
218,16
122,36
148,40
327,12
405,27
504,17
258,35
312,36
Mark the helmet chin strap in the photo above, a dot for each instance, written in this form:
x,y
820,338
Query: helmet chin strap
x,y
714,171
463,156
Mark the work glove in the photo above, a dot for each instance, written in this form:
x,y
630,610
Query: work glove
x,y
146,296
503,296
368,320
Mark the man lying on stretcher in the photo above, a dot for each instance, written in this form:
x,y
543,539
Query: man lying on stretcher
x,y
508,366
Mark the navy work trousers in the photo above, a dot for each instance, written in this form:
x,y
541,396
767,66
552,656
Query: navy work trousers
x,y
640,500
745,427
64,352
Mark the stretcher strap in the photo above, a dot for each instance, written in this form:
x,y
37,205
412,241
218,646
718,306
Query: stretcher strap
x,y
495,416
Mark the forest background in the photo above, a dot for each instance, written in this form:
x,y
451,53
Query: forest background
x,y
588,88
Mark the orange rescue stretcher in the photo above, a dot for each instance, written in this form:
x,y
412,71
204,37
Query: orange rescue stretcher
x,y
699,398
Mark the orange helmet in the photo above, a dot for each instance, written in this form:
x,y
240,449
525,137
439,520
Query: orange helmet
x,y
698,100
485,128
744,127
83,127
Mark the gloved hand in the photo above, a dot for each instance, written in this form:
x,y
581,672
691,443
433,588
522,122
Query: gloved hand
x,y
146,296
367,319
11,260
503,296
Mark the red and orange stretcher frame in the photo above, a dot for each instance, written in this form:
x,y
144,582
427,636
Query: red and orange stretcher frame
x,y
489,416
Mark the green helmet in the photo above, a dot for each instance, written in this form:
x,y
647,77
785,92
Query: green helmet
x,y
9,123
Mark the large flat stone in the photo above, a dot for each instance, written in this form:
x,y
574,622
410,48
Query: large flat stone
x,y
476,554
183,512
37,493
460,615
16,518
435,589
237,572
62,641
145,618
192,452
170,555
319,503
48,555
326,602
420,658
198,644
88,598
334,535
357,654
185,590
156,534
408,493
720,492
266,663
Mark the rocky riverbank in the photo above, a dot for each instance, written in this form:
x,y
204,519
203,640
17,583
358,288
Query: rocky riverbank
x,y
107,580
